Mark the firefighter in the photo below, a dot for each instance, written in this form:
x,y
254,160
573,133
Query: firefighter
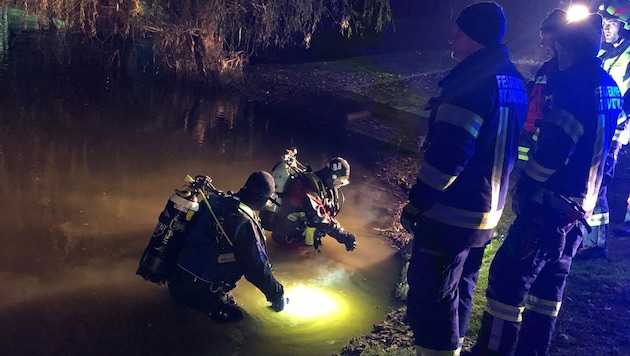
x,y
619,64
310,201
226,242
556,190
461,188
537,100
615,56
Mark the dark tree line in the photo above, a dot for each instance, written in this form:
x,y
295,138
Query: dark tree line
x,y
202,40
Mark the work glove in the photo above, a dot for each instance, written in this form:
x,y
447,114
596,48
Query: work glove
x,y
551,246
408,216
350,242
278,304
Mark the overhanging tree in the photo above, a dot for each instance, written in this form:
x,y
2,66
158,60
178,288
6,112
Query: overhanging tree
x,y
205,39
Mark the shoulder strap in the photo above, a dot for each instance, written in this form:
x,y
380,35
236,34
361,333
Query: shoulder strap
x,y
247,211
216,219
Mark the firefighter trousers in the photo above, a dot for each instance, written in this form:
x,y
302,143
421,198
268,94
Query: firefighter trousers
x,y
599,222
441,282
524,292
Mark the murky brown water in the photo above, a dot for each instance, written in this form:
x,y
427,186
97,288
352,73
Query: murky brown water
x,y
84,173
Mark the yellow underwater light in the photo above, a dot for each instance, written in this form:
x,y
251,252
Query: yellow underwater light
x,y
309,302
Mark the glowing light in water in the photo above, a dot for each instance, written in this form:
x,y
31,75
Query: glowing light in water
x,y
308,302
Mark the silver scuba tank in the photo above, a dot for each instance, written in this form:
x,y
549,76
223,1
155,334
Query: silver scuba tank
x,y
160,256
283,171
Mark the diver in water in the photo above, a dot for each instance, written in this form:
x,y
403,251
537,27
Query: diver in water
x,y
309,202
225,243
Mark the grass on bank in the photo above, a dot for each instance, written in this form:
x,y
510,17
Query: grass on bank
x,y
595,314
479,302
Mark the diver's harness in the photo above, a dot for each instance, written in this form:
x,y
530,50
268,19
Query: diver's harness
x,y
289,168
160,256
294,168
206,184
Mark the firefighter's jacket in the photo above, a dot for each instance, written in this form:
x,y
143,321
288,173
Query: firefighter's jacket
x,y
472,144
616,61
576,134
537,98
221,250
538,101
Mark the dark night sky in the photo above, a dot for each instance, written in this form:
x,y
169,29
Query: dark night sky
x,y
417,25
421,24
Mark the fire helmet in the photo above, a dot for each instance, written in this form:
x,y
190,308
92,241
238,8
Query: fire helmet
x,y
619,10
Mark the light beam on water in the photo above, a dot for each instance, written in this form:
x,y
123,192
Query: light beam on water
x,y
307,302
97,180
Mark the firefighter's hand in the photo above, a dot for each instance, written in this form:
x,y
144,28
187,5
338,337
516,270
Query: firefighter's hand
x,y
408,217
517,203
278,304
350,242
551,246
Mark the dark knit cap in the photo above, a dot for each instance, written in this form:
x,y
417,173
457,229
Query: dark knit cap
x,y
257,189
484,22
583,37
554,20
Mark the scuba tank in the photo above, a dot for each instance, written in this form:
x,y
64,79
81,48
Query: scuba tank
x,y
284,170
160,255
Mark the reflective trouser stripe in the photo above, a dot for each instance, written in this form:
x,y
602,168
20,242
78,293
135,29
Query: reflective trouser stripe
x,y
599,219
542,306
504,311
500,314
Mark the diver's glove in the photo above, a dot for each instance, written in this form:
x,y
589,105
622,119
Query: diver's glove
x,y
278,304
350,242
317,242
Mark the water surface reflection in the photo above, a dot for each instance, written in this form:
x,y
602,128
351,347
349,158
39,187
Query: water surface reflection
x,y
84,173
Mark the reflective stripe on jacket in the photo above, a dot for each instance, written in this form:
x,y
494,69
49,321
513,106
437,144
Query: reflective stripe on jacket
x,y
615,62
472,143
575,134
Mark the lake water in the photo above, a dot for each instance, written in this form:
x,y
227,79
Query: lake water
x,y
85,170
